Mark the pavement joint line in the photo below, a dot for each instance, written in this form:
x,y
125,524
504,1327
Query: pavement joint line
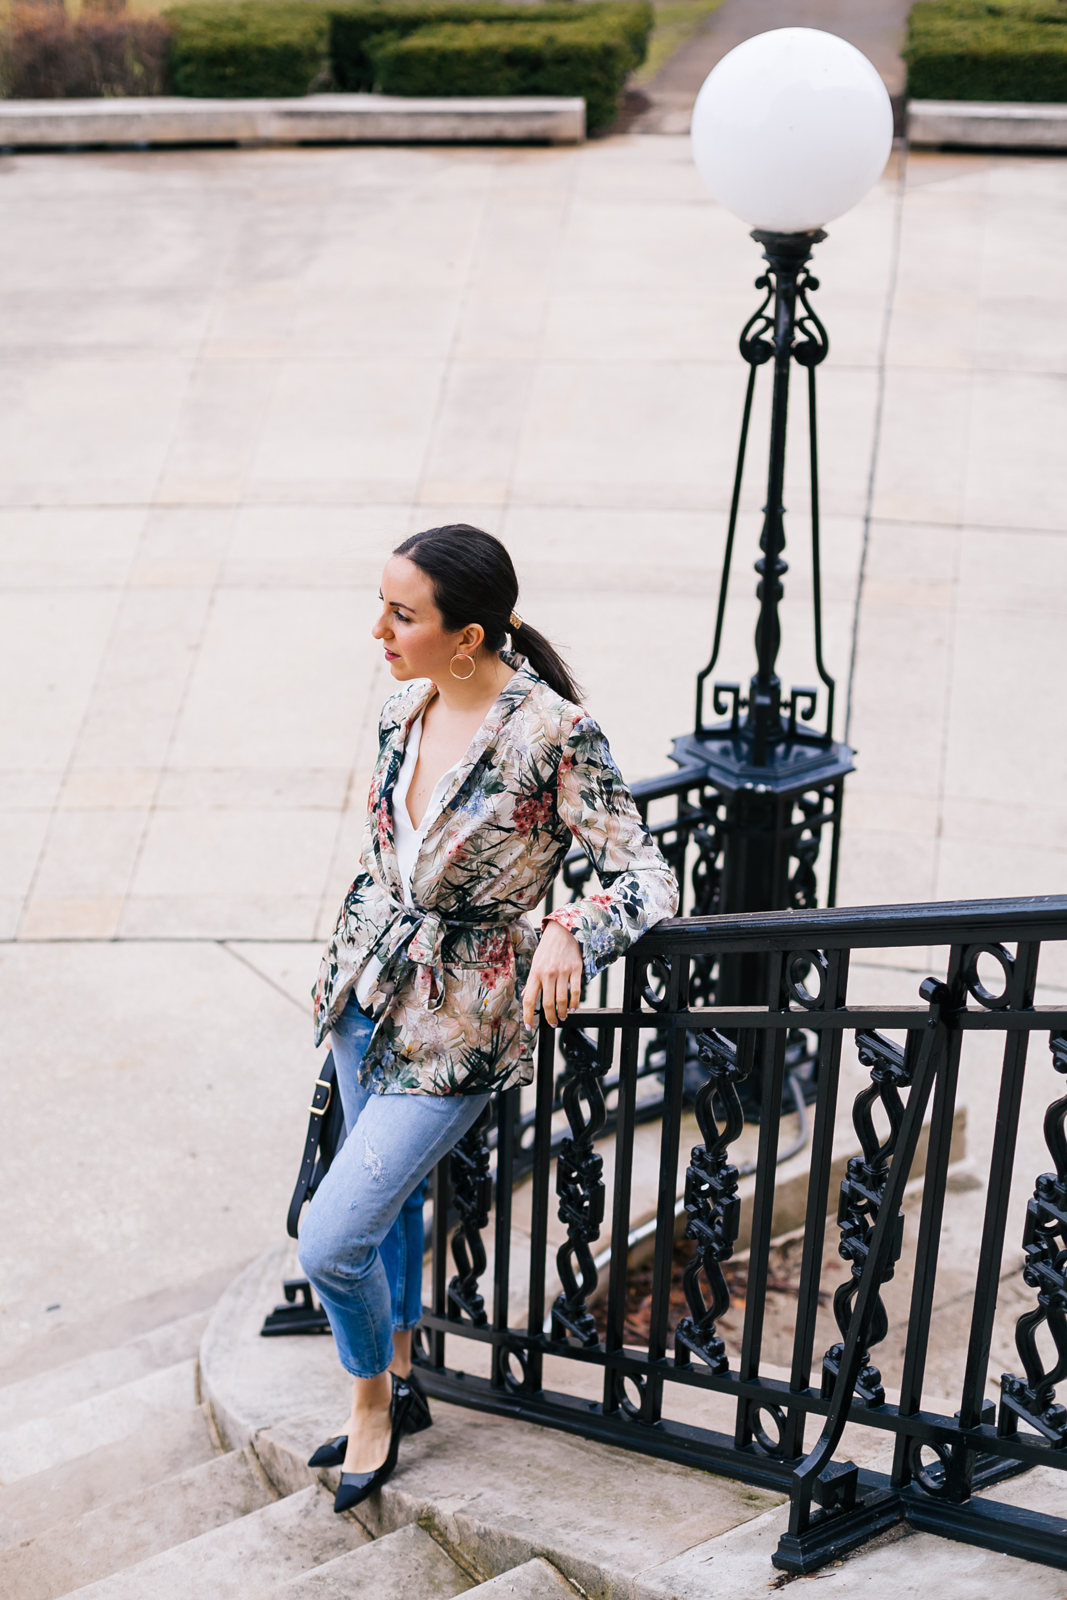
x,y
227,945
876,432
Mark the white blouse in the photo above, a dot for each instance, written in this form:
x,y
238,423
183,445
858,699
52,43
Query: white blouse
x,y
407,838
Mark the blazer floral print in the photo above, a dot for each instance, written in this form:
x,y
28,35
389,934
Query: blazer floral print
x,y
448,999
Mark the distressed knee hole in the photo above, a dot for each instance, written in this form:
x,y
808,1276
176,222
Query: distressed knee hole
x,y
372,1161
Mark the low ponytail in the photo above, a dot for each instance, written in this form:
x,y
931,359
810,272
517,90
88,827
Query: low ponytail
x,y
546,661
474,581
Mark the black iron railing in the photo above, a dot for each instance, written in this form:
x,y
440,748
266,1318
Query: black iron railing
x,y
939,1461
693,841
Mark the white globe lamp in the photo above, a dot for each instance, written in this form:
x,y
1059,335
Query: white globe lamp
x,y
791,129
789,132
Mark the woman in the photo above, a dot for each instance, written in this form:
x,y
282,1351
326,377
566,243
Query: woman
x,y
430,985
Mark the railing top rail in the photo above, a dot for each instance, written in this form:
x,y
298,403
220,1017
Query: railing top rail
x,y
1033,917
668,783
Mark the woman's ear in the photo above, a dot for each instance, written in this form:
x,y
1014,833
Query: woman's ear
x,y
473,636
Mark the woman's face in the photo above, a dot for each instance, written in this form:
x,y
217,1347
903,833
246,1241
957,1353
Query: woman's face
x,y
416,644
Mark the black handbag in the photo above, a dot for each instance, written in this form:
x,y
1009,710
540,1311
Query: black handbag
x,y
325,1135
298,1313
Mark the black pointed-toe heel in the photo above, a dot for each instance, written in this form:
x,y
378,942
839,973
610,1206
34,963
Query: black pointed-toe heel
x,y
420,1417
332,1453
355,1487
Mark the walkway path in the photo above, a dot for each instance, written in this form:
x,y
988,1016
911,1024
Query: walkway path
x,y
874,26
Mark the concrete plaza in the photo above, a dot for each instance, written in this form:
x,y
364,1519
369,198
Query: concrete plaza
x,y
234,379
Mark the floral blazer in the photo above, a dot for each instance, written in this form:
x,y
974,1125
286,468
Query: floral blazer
x,y
448,998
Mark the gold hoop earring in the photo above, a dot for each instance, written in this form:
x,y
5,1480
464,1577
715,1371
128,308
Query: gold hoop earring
x,y
464,677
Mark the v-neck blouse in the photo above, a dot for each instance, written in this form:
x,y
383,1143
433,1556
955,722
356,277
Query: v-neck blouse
x,y
407,839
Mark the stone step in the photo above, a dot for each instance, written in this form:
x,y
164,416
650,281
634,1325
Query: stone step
x,y
534,1580
900,1563
405,1565
161,1449
243,1559
41,1442
504,1493
74,1381
75,1552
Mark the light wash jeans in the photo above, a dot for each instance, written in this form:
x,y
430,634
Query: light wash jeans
x,y
361,1239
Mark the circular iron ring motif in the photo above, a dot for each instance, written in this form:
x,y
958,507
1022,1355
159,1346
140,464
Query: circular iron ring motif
x,y
799,967
625,1403
933,1477
976,988
773,1446
513,1353
662,969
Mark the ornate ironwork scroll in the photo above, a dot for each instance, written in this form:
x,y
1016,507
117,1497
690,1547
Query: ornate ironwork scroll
x,y
580,1186
814,814
1033,1398
472,1196
711,1203
861,1198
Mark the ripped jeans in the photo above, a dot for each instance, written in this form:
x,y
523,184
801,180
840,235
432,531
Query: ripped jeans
x,y
361,1238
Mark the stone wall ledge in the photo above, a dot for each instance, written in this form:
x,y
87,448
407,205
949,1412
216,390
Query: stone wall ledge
x,y
987,125
311,119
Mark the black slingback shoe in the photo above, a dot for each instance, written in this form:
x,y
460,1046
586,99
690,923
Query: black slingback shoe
x,y
355,1487
332,1453
420,1417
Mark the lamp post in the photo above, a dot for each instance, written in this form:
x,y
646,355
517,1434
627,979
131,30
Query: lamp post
x,y
789,131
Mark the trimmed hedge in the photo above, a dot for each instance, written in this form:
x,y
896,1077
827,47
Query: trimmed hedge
x,y
507,58
280,47
248,48
987,50
353,27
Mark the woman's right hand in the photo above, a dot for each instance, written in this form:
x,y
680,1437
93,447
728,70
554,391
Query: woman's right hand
x,y
555,977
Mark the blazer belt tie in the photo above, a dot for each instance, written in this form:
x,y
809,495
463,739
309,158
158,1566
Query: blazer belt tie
x,y
424,948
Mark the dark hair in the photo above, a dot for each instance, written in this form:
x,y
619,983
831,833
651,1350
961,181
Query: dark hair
x,y
474,581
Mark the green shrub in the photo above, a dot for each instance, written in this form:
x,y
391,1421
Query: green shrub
x,y
1001,50
587,58
278,47
353,26
250,48
507,58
